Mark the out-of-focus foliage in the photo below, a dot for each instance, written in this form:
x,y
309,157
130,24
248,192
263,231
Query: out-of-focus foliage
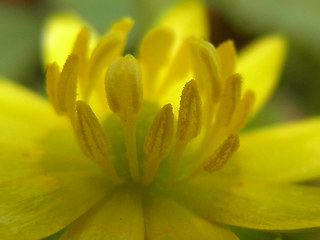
x,y
19,40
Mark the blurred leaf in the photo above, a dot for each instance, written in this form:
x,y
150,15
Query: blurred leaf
x,y
298,19
19,41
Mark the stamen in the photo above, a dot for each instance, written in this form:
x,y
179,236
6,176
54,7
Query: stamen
x,y
227,106
81,49
53,76
124,93
207,68
158,142
110,46
189,120
223,154
67,86
229,101
219,158
227,53
92,139
243,111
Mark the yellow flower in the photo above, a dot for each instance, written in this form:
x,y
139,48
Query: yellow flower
x,y
153,165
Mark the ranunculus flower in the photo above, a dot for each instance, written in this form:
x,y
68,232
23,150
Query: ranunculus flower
x,y
165,160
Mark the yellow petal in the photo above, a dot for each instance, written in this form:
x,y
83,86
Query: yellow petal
x,y
285,153
260,65
187,18
117,217
252,204
154,53
20,105
17,160
167,220
176,74
40,205
60,33
24,153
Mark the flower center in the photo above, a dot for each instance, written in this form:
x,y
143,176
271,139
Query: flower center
x,y
141,143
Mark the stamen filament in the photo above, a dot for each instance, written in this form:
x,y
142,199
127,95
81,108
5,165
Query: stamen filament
x,y
129,128
124,94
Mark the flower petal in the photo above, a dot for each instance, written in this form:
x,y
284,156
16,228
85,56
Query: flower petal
x,y
154,54
38,206
285,153
60,32
260,64
18,105
186,19
40,177
251,204
118,217
167,220
23,153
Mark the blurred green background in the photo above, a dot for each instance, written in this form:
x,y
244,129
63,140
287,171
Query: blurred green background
x,y
297,96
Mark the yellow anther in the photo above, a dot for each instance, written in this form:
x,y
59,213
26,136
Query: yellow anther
x,y
53,76
124,87
124,93
229,101
223,154
158,142
189,120
67,86
110,46
207,68
81,49
227,53
243,111
92,139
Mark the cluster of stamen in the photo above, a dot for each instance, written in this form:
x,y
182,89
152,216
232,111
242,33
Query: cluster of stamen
x,y
211,111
